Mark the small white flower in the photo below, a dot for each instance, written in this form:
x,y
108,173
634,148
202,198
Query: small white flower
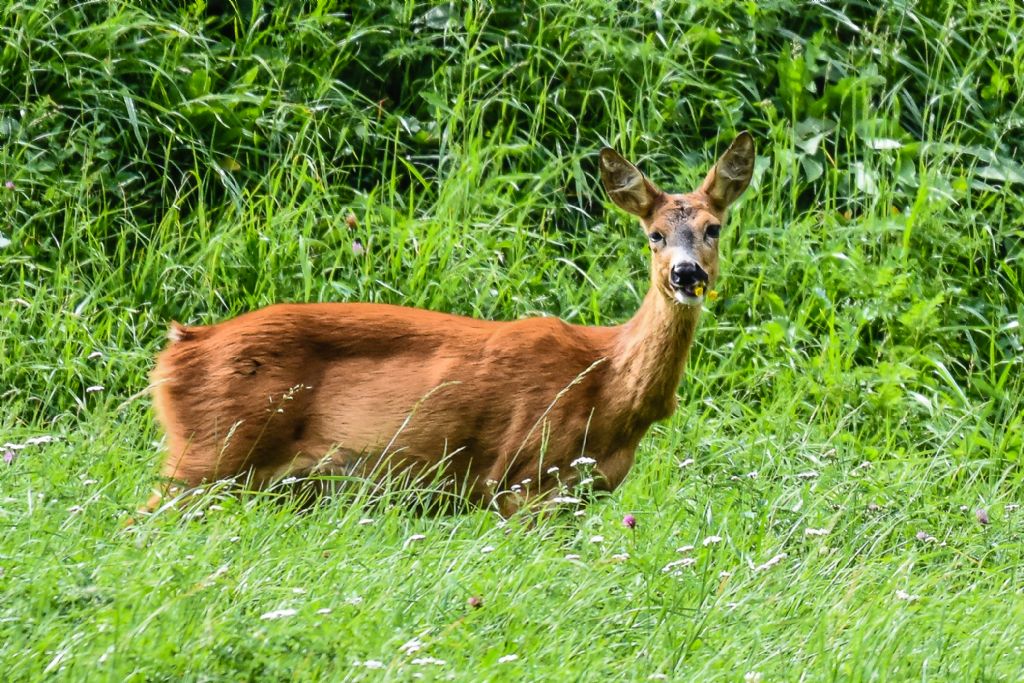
x,y
753,677
487,549
36,440
365,521
866,465
752,475
371,664
94,388
491,483
572,556
565,499
771,563
1011,507
711,540
424,661
597,539
353,600
324,610
526,481
725,575
904,595
586,482
411,646
686,463
809,474
579,513
415,538
925,537
657,677
964,508
234,539
89,482
299,591
288,480
684,549
75,509
516,488
583,461
621,557
278,614
553,470
675,564
505,659
811,531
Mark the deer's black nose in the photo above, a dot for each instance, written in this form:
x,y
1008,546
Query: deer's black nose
x,y
687,275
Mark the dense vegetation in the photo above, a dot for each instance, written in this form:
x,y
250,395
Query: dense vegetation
x,y
851,425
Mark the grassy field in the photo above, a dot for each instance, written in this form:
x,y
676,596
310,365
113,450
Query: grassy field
x,y
835,499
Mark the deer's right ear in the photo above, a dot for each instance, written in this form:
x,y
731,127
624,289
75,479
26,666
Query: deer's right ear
x,y
626,185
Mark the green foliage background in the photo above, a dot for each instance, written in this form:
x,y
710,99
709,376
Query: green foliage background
x,y
188,162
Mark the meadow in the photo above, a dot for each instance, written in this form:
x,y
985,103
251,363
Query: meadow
x,y
837,497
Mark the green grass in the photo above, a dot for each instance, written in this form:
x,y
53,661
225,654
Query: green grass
x,y
860,375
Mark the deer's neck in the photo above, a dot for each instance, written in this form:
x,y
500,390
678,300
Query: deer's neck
x,y
649,356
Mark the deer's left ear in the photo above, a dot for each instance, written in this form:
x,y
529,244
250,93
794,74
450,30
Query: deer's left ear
x,y
626,185
731,175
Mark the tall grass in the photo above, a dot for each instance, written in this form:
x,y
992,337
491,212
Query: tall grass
x,y
859,379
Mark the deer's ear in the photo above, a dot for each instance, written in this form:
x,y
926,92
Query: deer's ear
x,y
731,175
626,185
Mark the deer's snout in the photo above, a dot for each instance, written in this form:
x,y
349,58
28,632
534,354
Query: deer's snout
x,y
687,275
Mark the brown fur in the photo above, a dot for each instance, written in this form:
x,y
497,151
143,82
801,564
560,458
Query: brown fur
x,y
296,389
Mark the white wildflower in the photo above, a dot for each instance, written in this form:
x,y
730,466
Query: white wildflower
x,y
94,388
278,614
811,531
677,564
579,513
583,461
597,539
809,474
724,575
586,482
354,600
424,661
487,549
753,677
526,482
1011,507
684,549
572,556
553,470
711,540
686,463
36,440
371,664
620,557
411,646
657,677
415,538
771,563
95,354
365,521
324,610
904,595
565,499
505,659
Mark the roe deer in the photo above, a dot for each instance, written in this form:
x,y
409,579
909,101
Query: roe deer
x,y
344,388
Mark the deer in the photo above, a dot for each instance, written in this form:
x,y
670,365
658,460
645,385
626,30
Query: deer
x,y
378,390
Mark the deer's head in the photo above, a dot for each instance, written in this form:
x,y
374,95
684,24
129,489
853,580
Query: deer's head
x,y
682,229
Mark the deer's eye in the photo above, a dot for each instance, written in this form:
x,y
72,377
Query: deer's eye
x,y
656,237
711,231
